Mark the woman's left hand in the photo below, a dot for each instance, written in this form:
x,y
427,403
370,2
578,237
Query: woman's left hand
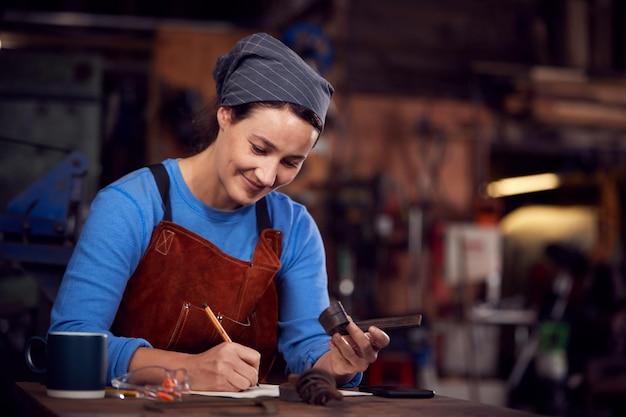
x,y
352,353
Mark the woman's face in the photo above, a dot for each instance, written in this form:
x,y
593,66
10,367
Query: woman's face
x,y
258,154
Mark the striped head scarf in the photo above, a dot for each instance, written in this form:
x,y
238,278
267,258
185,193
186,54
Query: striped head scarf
x,y
261,68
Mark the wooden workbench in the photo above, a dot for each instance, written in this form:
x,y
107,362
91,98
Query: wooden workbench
x,y
31,400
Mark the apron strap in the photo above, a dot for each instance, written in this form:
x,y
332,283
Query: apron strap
x,y
163,184
262,216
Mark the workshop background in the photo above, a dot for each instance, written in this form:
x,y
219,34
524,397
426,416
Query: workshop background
x,y
472,170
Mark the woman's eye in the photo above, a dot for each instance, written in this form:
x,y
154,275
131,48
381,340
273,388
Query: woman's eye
x,y
258,150
290,164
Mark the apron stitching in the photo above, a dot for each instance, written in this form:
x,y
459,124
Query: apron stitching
x,y
182,318
165,242
218,252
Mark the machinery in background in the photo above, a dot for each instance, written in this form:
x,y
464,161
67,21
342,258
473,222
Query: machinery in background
x,y
41,223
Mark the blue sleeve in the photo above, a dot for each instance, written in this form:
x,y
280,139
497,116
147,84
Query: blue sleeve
x,y
106,255
303,296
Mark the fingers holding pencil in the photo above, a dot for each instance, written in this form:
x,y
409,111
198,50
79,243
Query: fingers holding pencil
x,y
228,366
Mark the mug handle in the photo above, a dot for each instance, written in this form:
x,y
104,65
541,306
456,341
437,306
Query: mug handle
x,y
29,359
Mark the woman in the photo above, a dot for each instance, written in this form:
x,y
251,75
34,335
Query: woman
x,y
161,243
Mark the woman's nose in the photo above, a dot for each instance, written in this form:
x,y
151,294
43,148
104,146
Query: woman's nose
x,y
266,174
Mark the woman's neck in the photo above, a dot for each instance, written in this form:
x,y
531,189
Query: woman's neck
x,y
200,174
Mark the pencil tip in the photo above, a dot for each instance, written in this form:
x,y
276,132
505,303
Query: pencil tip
x,y
205,305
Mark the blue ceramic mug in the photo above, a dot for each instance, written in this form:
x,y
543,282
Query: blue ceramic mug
x,y
76,363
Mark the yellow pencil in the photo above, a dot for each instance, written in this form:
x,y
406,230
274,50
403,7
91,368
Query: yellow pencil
x,y
216,323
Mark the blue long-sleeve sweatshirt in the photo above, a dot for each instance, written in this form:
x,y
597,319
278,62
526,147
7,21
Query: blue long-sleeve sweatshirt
x,y
118,231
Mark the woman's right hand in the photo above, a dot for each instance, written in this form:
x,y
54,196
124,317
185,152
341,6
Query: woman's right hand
x,y
226,367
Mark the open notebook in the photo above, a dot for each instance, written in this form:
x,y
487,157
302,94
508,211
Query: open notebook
x,y
263,390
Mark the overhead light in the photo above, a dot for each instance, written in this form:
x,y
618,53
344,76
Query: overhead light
x,y
522,185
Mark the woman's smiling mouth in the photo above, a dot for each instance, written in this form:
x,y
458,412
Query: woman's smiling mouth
x,y
252,186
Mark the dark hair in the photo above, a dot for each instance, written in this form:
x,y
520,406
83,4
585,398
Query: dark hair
x,y
206,126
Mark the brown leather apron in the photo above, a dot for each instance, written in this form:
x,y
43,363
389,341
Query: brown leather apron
x,y
180,271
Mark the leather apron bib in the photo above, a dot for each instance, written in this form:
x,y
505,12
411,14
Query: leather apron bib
x,y
180,271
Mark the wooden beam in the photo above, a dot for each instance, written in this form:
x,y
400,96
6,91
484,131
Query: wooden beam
x,y
577,33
